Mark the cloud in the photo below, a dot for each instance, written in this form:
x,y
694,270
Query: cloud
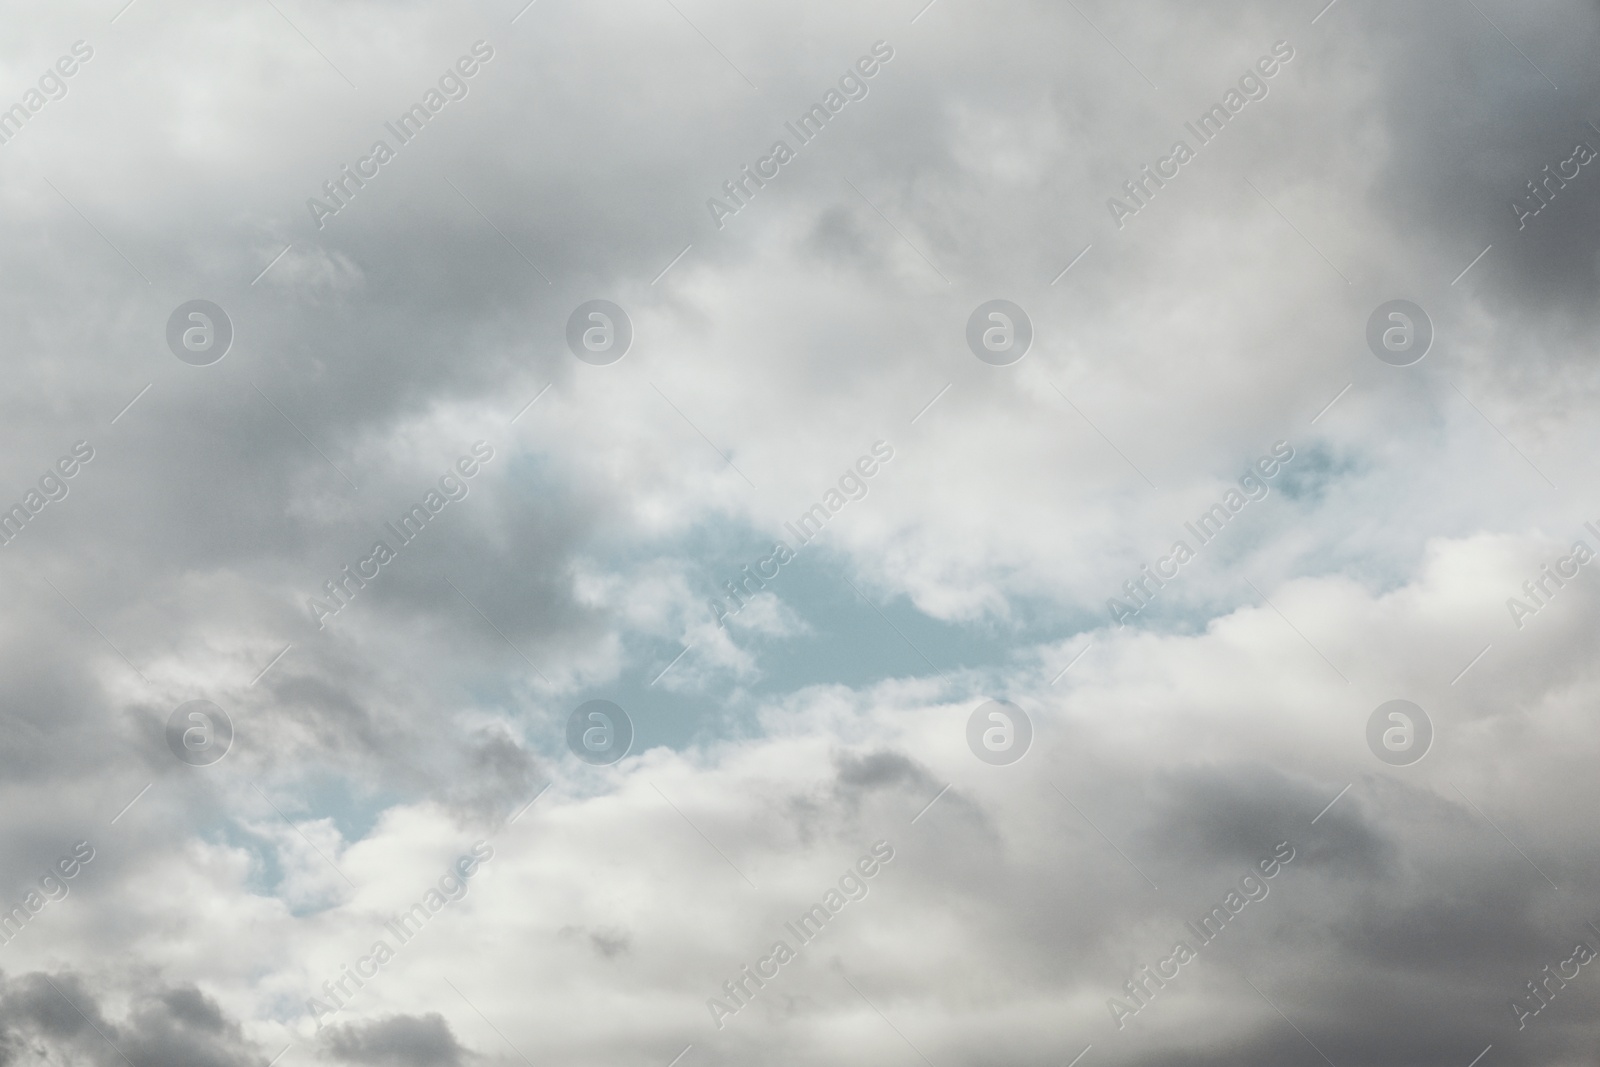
x,y
397,1041
56,1018
374,751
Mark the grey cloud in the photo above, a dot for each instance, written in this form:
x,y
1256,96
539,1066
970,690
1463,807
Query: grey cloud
x,y
497,777
412,325
873,771
46,1016
1470,122
608,942
1234,815
397,1041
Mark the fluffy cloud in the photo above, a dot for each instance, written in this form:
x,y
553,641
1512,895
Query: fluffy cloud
x,y
775,747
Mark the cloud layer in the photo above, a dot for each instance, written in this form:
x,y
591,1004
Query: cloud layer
x,y
954,528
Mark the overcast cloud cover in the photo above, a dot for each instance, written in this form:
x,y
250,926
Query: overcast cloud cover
x,y
209,885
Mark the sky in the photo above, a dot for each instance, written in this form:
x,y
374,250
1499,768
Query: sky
x,y
683,533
